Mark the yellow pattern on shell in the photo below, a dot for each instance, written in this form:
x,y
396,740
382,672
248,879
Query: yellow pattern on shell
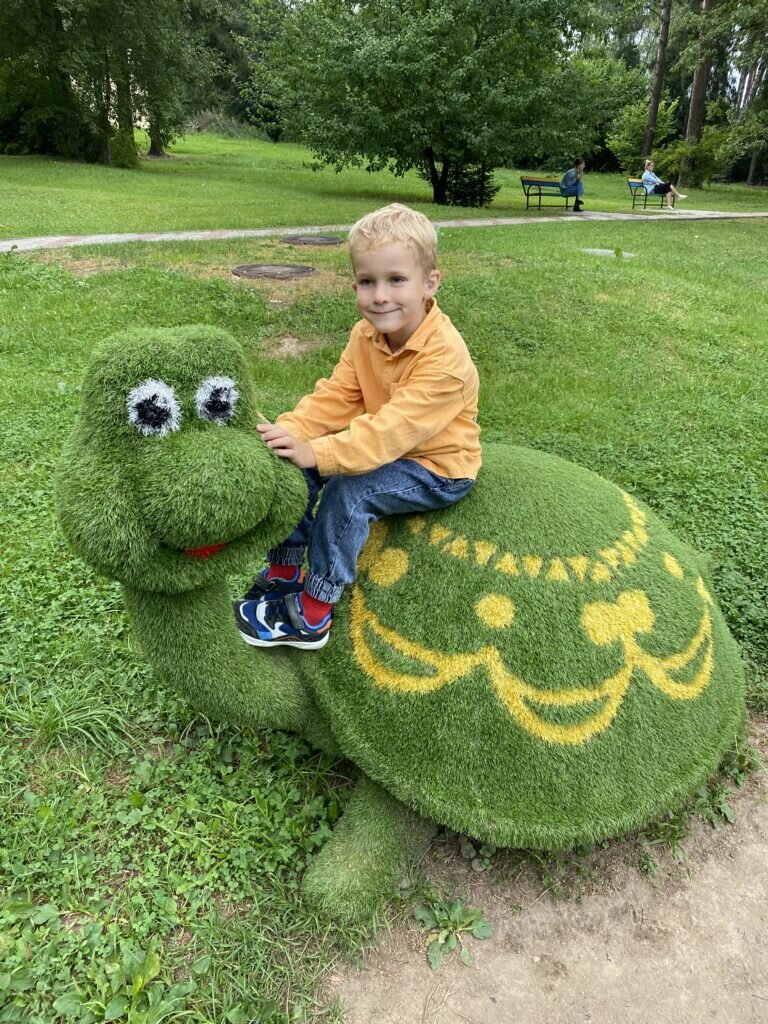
x,y
484,552
508,565
596,568
604,622
532,565
557,571
458,547
580,566
672,566
495,610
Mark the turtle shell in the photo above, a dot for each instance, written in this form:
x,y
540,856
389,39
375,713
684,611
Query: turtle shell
x,y
540,665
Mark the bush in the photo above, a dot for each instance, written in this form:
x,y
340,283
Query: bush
x,y
468,185
35,118
627,132
696,161
122,150
220,123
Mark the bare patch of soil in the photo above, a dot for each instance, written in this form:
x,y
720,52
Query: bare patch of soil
x,y
596,942
81,266
284,293
290,347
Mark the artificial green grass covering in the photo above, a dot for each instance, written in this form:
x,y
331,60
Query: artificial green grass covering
x,y
539,665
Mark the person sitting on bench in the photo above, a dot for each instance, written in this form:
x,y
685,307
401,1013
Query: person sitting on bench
x,y
572,185
654,186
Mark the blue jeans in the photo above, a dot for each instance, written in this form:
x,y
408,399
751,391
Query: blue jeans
x,y
573,190
338,528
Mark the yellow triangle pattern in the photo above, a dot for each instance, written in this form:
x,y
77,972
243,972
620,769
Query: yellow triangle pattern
x,y
565,569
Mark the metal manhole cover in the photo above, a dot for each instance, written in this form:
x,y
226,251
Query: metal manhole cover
x,y
313,240
276,271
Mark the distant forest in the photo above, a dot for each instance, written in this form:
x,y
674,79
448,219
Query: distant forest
x,y
450,88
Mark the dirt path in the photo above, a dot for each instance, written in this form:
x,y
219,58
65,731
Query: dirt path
x,y
684,948
66,241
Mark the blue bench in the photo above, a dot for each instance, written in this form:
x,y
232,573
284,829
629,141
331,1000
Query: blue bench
x,y
638,193
536,188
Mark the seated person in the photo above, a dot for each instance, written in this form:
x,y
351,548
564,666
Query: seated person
x,y
572,185
654,186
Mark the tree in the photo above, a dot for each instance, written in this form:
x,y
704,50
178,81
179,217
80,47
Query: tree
x,y
79,74
451,89
702,48
658,77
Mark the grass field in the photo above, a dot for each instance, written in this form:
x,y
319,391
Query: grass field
x,y
151,861
231,183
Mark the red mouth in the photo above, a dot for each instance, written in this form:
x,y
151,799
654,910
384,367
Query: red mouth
x,y
206,552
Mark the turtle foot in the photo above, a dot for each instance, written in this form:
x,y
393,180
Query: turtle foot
x,y
374,843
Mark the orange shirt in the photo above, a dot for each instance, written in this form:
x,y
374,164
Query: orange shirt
x,y
418,403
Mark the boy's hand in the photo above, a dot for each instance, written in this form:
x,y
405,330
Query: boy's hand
x,y
286,446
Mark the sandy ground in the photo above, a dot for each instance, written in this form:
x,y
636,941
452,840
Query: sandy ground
x,y
611,945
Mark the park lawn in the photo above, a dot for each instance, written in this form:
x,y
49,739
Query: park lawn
x,y
213,182
142,841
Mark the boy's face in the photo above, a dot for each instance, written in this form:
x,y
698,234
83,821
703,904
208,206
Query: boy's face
x,y
392,289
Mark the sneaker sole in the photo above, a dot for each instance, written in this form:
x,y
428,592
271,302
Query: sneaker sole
x,y
300,645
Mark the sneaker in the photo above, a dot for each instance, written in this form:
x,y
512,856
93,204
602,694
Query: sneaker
x,y
263,589
280,624
668,209
681,196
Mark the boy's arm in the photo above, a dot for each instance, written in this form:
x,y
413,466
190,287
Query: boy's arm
x,y
418,410
332,405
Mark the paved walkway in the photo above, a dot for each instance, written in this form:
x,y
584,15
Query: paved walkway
x,y
65,241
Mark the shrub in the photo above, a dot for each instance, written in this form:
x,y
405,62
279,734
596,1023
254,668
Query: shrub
x,y
627,131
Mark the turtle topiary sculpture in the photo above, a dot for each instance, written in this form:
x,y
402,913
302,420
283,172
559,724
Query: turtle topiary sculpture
x,y
540,665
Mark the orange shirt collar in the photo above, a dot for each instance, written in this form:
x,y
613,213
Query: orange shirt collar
x,y
416,341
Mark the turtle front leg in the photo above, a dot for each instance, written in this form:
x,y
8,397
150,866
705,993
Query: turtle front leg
x,y
374,843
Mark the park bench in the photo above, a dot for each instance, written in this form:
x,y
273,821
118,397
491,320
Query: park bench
x,y
535,188
639,195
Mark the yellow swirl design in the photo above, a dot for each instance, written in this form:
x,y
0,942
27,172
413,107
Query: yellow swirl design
x,y
604,622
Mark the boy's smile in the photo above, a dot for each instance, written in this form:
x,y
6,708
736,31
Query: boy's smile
x,y
392,290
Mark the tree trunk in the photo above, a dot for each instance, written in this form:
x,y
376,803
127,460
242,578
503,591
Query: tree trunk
x,y
105,156
754,163
438,179
696,110
155,145
658,78
125,153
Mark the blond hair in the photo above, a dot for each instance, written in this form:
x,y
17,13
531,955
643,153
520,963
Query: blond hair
x,y
645,165
396,223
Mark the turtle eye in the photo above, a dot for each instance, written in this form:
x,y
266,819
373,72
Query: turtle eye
x,y
153,408
216,399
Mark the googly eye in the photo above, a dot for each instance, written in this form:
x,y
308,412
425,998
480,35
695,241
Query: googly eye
x,y
153,408
216,399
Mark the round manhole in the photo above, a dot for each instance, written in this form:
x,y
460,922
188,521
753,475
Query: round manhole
x,y
278,271
313,240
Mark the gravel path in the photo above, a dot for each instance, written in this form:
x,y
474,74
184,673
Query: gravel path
x,y
65,241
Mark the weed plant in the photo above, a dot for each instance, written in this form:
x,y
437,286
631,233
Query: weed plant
x,y
150,861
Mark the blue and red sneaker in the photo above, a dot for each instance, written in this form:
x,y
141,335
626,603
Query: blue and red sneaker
x,y
280,623
263,589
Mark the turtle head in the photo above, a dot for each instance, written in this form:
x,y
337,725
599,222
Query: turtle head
x,y
165,484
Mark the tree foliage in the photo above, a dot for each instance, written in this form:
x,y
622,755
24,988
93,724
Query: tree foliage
x,y
443,88
450,88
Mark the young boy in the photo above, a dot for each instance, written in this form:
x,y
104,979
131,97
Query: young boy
x,y
392,431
